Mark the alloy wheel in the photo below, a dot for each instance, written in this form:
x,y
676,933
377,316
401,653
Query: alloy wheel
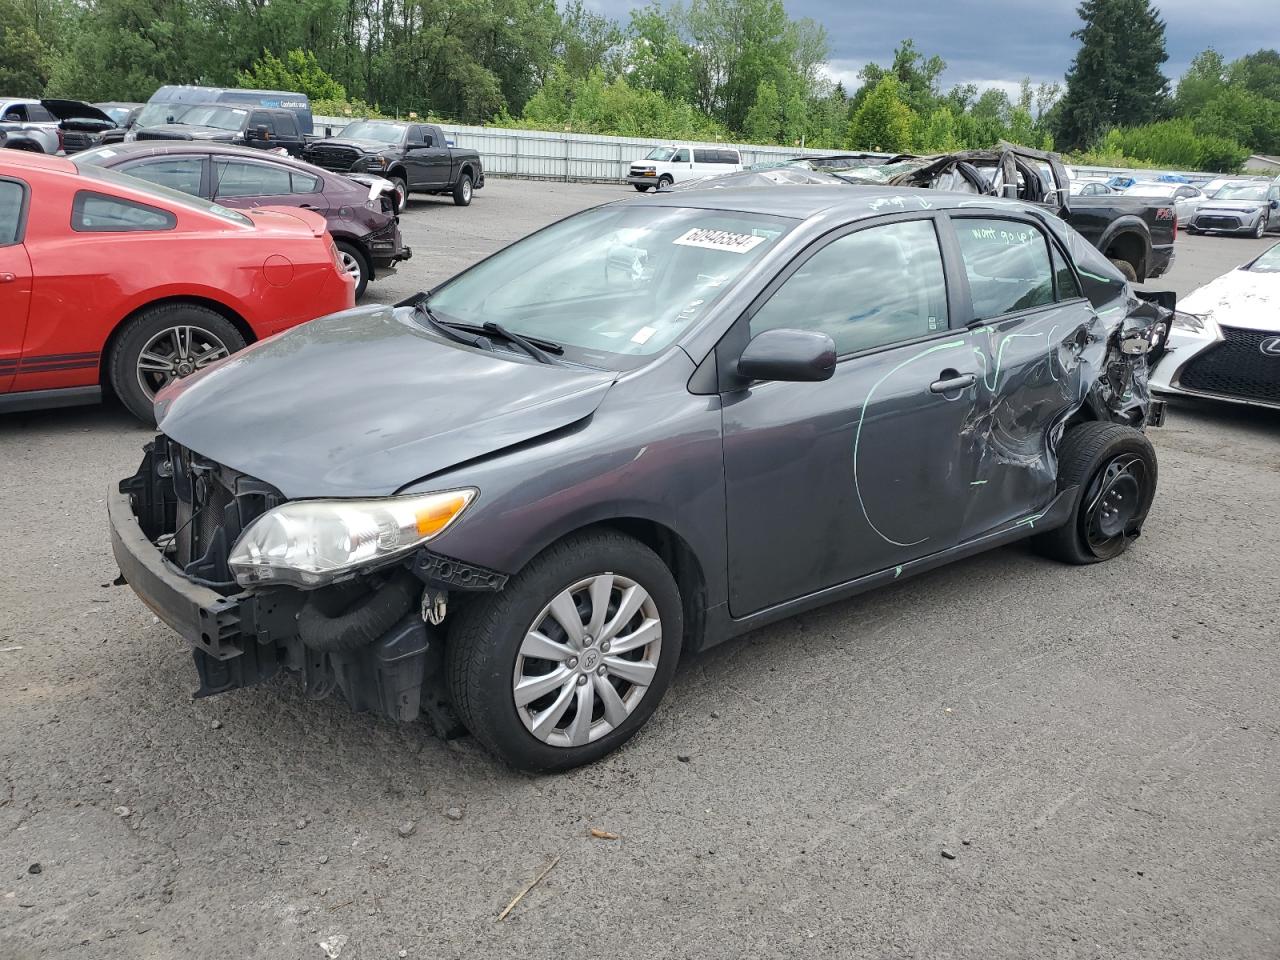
x,y
466,191
587,660
1114,502
351,265
174,353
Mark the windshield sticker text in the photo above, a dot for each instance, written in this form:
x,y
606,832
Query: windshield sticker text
x,y
719,240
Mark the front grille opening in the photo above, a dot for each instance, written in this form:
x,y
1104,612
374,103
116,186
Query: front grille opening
x,y
1237,367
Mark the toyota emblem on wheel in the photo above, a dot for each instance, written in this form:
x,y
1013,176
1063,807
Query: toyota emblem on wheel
x,y
1270,347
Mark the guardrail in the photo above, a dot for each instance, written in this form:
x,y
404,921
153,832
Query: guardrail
x,y
547,155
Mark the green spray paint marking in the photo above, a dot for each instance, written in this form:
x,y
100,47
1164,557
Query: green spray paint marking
x,y
897,572
976,483
857,437
1030,521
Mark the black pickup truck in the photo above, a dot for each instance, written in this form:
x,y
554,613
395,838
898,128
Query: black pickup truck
x,y
1135,234
416,157
266,128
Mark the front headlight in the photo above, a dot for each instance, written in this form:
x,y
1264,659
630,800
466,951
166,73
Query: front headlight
x,y
380,162
1188,321
308,543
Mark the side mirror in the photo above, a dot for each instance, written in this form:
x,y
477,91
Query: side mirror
x,y
797,356
262,132
1275,204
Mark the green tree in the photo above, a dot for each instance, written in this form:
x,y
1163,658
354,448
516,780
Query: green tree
x,y
764,119
883,121
1115,78
23,67
587,40
298,71
939,134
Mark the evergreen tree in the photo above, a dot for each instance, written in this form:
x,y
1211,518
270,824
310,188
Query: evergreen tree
x,y
1115,79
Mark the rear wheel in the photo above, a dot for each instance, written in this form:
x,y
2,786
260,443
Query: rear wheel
x,y
1115,468
354,264
572,657
1125,267
463,191
163,344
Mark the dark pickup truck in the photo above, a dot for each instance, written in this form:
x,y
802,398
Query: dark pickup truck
x,y
416,157
1135,234
266,128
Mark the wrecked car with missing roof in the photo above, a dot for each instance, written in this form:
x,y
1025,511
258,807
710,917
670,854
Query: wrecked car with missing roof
x,y
515,501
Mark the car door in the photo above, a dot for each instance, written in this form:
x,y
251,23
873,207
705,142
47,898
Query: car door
x,y
681,165
1029,325
15,276
434,158
827,482
1273,206
187,173
255,183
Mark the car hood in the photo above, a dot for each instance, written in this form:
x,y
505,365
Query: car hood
x,y
75,110
184,131
1240,298
1233,206
364,402
366,146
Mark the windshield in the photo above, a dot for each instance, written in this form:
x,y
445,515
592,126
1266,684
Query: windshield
x,y
1242,191
154,114
661,153
378,130
118,114
614,284
220,118
87,165
1269,262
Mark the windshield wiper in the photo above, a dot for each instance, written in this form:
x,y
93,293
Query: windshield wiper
x,y
534,348
447,330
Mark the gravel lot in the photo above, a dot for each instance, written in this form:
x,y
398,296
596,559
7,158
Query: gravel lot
x,y
1096,750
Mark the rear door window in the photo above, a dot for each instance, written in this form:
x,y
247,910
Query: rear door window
x,y
178,173
13,197
38,114
304,182
286,126
1007,263
14,114
99,213
1068,286
262,119
245,178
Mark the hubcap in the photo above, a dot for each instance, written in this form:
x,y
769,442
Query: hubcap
x,y
174,353
1116,500
350,265
587,660
466,190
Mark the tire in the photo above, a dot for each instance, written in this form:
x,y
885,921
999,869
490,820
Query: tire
x,y
400,196
1125,267
641,187
664,182
155,331
1261,230
487,650
1190,230
463,191
355,264
1088,457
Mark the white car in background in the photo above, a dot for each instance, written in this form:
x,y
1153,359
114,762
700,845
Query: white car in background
x,y
1225,339
1186,198
1089,187
664,166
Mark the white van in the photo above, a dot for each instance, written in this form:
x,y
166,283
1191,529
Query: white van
x,y
667,165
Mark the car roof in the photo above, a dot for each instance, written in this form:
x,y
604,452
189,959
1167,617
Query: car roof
x,y
153,148
30,160
803,201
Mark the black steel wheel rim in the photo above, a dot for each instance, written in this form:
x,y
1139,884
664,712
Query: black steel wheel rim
x,y
1115,502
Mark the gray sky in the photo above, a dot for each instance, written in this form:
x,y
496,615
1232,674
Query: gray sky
x,y
998,42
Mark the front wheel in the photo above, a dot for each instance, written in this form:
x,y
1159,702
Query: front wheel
x,y
641,187
572,657
463,191
399,193
1261,230
665,182
164,344
1115,468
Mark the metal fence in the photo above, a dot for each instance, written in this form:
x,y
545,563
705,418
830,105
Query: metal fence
x,y
543,155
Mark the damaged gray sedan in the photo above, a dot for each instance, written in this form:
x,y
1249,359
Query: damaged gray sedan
x,y
512,504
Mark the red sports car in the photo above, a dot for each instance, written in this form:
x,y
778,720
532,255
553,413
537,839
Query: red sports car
x,y
108,282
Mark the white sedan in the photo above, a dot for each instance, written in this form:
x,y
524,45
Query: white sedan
x,y
1225,340
1186,198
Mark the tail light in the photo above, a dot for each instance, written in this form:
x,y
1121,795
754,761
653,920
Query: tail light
x,y
62,141
333,255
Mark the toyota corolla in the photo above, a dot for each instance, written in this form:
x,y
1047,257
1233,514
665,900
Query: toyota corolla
x,y
517,500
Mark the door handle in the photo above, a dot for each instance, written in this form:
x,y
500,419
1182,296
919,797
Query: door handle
x,y
7,277
951,380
